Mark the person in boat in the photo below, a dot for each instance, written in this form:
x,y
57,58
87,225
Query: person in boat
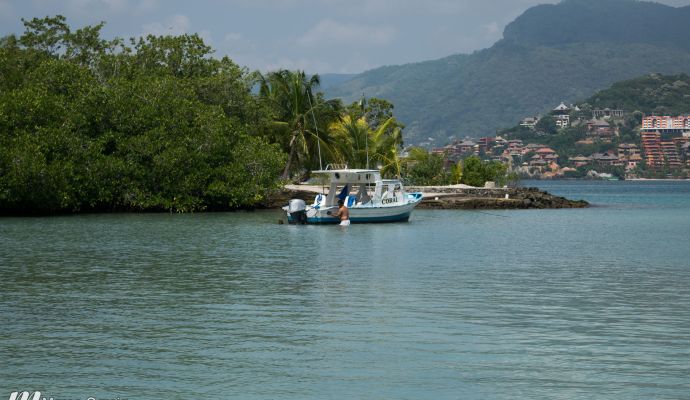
x,y
343,213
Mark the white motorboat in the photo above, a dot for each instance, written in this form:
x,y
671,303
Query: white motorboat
x,y
368,198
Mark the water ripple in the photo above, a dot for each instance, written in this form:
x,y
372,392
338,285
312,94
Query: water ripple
x,y
456,304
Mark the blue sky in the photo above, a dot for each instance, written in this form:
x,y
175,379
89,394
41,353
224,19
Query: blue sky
x,y
316,36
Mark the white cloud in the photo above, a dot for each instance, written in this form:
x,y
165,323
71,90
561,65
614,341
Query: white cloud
x,y
330,32
492,28
174,25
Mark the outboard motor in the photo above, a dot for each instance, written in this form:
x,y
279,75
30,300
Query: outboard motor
x,y
297,209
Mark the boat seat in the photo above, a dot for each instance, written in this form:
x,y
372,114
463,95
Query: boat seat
x,y
350,201
319,201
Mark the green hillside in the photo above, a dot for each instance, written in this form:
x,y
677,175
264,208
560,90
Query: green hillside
x,y
551,53
650,94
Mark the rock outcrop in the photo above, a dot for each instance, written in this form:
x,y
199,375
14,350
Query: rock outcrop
x,y
479,198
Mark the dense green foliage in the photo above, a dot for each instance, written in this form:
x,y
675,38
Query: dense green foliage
x,y
546,124
89,124
298,114
549,54
159,124
427,169
476,172
315,132
654,93
369,136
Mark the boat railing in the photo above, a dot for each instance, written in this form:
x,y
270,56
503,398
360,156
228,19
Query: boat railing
x,y
331,167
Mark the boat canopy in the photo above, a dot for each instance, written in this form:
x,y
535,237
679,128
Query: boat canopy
x,y
353,176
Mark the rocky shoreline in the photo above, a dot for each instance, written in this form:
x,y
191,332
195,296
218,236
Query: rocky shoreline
x,y
456,197
481,198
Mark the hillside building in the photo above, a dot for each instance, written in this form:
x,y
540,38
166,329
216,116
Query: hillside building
x,y
562,115
515,145
467,147
651,145
628,149
607,113
671,155
460,148
629,155
685,151
547,153
608,158
537,164
441,151
486,144
601,130
632,162
533,147
580,161
529,122
659,153
679,125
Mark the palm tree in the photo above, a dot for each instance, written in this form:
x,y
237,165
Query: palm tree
x,y
298,112
360,146
387,143
350,135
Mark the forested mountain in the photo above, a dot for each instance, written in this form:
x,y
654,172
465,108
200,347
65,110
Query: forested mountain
x,y
551,53
649,94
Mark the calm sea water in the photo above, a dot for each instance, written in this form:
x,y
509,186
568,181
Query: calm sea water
x,y
557,304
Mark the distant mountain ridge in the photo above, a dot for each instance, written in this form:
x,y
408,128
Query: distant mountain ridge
x,y
550,53
610,21
330,80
